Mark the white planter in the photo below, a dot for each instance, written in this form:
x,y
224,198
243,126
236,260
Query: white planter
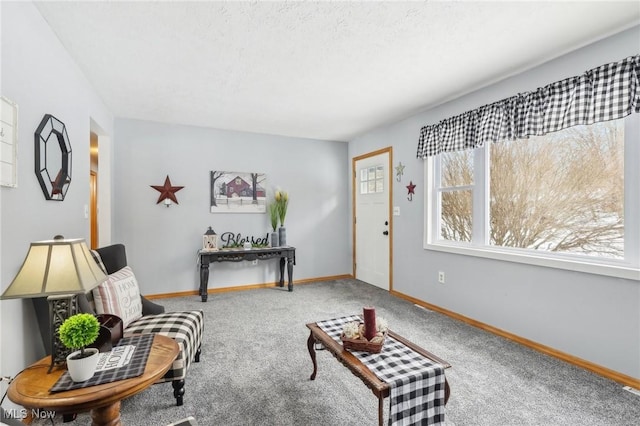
x,y
82,369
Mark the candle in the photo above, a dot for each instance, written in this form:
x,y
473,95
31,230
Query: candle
x,y
369,322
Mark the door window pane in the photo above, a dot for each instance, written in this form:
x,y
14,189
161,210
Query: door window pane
x,y
372,180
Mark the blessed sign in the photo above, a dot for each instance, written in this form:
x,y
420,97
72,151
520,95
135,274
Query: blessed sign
x,y
229,239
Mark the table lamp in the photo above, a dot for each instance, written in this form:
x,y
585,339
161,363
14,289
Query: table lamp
x,y
58,269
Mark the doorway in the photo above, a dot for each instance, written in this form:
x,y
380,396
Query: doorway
x,y
93,190
372,226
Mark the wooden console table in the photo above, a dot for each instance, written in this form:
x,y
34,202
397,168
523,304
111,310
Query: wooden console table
x,y
286,254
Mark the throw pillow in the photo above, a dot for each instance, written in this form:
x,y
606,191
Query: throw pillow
x,y
120,296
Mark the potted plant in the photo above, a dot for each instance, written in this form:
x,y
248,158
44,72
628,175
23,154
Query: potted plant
x,y
273,216
76,332
282,202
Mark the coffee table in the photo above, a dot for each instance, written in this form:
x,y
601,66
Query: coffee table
x,y
31,387
379,388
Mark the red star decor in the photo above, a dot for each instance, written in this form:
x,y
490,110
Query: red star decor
x,y
167,191
411,187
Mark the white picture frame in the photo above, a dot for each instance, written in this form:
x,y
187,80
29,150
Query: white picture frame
x,y
8,143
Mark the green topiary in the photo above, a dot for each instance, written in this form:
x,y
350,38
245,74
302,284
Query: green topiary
x,y
78,331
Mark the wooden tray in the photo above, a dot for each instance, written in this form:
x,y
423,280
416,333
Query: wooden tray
x,y
362,344
111,332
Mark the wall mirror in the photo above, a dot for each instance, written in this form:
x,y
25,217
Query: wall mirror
x,y
53,158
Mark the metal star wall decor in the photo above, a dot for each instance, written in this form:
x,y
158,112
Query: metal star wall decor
x,y
411,187
167,192
399,171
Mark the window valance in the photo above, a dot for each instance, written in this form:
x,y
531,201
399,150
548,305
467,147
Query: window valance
x,y
608,92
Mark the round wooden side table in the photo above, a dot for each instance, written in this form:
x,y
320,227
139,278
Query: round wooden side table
x,y
31,387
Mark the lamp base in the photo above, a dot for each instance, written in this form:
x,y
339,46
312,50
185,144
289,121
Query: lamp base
x,y
61,307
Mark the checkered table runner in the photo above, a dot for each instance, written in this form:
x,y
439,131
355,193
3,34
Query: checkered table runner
x,y
134,368
416,382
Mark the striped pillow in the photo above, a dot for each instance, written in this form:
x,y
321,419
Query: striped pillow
x,y
120,296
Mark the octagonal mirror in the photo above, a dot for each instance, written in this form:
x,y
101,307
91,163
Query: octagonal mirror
x,y
53,158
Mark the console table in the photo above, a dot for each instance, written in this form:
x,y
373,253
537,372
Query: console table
x,y
286,254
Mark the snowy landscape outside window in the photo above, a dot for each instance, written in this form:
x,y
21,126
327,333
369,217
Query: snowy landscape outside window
x,y
562,192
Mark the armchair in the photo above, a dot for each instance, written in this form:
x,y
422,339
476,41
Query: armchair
x,y
184,327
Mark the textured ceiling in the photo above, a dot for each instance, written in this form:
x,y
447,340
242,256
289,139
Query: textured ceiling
x,y
320,70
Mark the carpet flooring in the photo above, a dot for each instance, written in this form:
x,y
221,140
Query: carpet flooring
x,y
255,367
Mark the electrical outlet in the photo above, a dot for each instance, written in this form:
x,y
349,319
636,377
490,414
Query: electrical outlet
x,y
441,277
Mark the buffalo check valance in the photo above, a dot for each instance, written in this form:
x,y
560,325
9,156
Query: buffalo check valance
x,y
608,92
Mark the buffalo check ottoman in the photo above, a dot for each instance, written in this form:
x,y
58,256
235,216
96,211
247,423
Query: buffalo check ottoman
x,y
186,329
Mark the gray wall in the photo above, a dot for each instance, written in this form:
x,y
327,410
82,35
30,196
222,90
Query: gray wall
x,y
39,75
596,318
162,242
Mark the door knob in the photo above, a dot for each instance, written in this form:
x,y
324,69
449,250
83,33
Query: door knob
x,y
385,233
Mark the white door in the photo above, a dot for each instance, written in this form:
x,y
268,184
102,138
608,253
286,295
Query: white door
x,y
372,221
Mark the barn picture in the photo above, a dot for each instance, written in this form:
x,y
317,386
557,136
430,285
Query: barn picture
x,y
237,192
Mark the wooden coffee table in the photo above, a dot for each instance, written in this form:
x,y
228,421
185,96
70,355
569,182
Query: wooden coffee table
x,y
379,388
31,387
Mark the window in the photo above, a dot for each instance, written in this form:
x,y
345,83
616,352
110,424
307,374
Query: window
x,y
372,180
556,200
456,196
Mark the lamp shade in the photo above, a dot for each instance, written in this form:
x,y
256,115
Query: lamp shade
x,y
57,266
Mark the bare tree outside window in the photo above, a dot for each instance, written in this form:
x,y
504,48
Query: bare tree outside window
x,y
563,192
456,221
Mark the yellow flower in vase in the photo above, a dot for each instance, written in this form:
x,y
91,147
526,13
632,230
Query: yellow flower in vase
x,y
282,201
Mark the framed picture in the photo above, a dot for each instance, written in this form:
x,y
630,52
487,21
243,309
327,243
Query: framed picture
x,y
237,192
8,142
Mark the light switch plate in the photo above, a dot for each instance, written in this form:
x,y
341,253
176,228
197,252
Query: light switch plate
x,y
396,210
